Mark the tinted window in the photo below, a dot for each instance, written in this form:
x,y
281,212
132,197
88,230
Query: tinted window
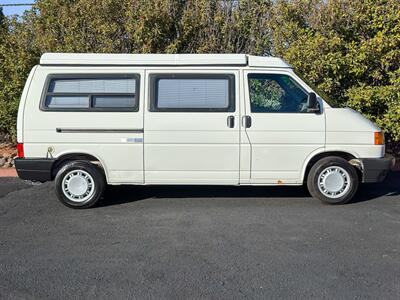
x,y
115,93
193,93
67,101
276,93
113,101
91,86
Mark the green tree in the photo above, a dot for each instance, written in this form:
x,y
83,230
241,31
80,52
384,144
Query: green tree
x,y
3,28
226,27
80,26
348,49
17,56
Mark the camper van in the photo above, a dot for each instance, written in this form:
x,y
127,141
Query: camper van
x,y
91,120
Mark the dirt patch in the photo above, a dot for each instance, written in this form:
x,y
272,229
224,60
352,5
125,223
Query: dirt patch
x,y
6,148
7,155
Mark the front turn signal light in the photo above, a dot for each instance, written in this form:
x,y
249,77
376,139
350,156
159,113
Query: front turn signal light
x,y
379,138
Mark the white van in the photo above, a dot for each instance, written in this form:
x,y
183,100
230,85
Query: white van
x,y
87,120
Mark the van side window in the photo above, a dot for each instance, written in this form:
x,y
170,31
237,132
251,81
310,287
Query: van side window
x,y
276,93
101,93
192,92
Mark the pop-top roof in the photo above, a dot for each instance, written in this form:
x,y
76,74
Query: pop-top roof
x,y
162,59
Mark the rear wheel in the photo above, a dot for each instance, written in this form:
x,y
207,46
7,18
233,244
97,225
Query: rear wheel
x,y
333,180
80,184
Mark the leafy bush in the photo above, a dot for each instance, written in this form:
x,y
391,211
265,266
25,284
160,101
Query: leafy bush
x,y
348,49
17,57
265,94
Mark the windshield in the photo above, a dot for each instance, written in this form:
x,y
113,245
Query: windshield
x,y
321,93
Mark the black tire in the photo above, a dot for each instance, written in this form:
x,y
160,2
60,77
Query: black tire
x,y
346,193
95,181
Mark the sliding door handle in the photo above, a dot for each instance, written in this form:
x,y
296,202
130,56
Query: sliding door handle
x,y
230,121
246,121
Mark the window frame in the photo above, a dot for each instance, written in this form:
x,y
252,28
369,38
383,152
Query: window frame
x,y
91,108
154,78
275,73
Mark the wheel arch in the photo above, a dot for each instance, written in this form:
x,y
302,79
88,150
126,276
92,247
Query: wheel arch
x,y
317,156
77,155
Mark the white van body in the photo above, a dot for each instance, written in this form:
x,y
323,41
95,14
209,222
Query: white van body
x,y
144,144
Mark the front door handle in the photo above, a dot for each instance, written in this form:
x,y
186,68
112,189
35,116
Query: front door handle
x,y
246,121
230,121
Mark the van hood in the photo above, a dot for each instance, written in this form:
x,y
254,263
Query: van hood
x,y
347,119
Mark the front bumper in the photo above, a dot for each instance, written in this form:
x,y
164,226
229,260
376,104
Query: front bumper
x,y
376,169
34,169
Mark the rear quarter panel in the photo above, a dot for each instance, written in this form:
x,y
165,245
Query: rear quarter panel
x,y
21,107
122,160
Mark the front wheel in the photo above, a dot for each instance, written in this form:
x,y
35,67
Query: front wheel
x,y
333,180
80,184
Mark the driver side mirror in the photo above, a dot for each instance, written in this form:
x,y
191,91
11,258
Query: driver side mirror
x,y
312,103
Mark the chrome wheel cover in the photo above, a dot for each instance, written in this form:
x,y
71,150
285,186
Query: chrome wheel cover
x,y
334,182
78,186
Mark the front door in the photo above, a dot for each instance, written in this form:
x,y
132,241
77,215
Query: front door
x,y
280,133
192,127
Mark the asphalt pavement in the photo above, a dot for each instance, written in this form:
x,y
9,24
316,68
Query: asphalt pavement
x,y
171,242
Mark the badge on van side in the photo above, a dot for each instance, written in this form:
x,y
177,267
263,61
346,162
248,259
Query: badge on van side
x,y
132,140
